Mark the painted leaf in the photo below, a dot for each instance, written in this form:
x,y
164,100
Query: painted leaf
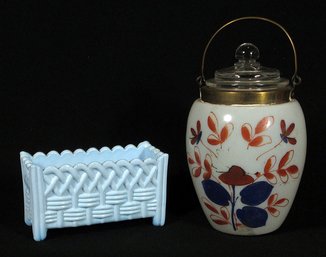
x,y
198,125
213,140
283,126
197,155
196,171
252,217
193,132
210,207
256,193
271,178
226,131
208,167
207,175
220,222
283,175
225,214
292,140
272,199
196,135
282,202
273,211
208,163
293,169
270,164
212,122
290,129
260,141
282,172
286,159
264,124
190,161
246,131
193,140
216,193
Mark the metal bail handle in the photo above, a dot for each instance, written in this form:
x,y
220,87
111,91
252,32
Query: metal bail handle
x,y
296,80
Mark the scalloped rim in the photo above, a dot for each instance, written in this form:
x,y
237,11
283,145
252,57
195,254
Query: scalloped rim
x,y
27,158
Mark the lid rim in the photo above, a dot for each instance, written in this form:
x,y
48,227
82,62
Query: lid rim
x,y
250,85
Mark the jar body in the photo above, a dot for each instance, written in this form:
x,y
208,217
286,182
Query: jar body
x,y
246,162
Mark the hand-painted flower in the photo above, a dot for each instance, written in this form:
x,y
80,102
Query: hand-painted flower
x,y
286,132
236,176
196,134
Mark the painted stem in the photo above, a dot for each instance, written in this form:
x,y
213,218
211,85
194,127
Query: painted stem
x,y
232,207
269,149
208,148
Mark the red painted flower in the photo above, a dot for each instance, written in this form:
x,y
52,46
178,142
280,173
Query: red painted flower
x,y
222,218
284,171
284,137
236,176
218,137
197,165
268,170
286,132
254,138
196,134
273,202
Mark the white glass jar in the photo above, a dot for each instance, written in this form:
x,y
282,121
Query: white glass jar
x,y
246,144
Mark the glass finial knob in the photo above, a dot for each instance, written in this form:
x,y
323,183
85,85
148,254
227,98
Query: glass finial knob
x,y
247,52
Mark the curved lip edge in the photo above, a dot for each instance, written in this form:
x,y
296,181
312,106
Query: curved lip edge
x,y
28,159
259,85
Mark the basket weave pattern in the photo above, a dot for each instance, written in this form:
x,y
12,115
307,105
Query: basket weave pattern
x,y
91,193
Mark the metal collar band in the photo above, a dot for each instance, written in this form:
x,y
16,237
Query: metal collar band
x,y
245,97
